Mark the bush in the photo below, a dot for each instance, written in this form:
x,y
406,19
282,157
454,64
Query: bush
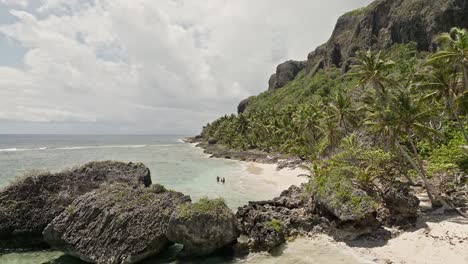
x,y
203,206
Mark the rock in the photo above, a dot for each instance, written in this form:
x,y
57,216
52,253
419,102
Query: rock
x,y
285,72
401,205
353,211
195,139
115,224
243,105
387,22
28,205
268,223
292,163
212,141
203,227
379,25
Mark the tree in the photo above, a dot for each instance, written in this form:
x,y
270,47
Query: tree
x,y
403,120
372,69
343,112
454,50
444,81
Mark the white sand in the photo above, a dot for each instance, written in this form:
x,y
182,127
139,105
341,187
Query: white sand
x,y
435,239
432,241
267,179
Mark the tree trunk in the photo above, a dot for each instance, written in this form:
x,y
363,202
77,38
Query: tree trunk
x,y
465,78
423,176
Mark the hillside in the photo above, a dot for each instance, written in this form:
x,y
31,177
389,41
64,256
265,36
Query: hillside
x,y
385,100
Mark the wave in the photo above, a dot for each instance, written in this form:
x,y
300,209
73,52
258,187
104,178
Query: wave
x,y
85,147
9,150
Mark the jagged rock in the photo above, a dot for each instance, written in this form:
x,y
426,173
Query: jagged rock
x,y
401,205
267,223
28,205
285,72
387,22
115,224
203,227
243,105
353,216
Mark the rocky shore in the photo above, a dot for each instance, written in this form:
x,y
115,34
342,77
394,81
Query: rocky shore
x,y
215,150
119,216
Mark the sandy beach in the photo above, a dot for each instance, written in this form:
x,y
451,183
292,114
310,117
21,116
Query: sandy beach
x,y
436,238
266,177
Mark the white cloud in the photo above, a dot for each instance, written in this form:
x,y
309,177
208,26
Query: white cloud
x,y
20,3
153,66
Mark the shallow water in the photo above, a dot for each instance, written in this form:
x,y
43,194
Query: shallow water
x,y
174,164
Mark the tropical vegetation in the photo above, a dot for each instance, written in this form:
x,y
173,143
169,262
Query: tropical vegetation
x,y
399,113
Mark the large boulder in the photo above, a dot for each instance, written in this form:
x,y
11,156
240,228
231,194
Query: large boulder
x,y
353,211
115,224
268,223
203,227
402,206
285,72
28,205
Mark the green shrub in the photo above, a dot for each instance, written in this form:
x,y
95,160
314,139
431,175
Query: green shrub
x,y
203,206
275,224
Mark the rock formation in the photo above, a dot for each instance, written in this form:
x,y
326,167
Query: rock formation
x,y
285,72
28,205
243,105
115,224
268,223
203,227
387,22
296,211
378,26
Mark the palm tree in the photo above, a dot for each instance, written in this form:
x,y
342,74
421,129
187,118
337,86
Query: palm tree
x,y
454,49
402,120
372,69
444,81
342,110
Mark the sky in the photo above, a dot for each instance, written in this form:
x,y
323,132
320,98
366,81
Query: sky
x,y
146,66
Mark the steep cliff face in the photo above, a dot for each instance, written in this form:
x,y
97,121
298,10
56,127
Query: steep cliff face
x,y
378,26
387,22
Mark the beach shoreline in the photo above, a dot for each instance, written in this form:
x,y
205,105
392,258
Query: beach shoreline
x,y
435,238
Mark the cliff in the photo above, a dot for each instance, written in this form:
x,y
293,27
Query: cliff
x,y
378,26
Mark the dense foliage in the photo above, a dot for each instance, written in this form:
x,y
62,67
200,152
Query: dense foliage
x,y
394,103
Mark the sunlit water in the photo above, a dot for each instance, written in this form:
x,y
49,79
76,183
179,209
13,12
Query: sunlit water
x,y
176,165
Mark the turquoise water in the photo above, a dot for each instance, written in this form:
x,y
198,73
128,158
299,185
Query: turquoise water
x,y
172,163
176,165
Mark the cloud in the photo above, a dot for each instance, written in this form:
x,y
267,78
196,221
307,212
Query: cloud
x,y
147,66
20,3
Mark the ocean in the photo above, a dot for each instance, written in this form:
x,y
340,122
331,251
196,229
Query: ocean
x,y
174,164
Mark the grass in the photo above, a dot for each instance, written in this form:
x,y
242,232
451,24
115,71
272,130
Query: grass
x,y
203,206
275,224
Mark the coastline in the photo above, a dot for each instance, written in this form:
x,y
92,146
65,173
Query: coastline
x,y
436,238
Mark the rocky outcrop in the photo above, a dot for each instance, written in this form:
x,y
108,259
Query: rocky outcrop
x,y
353,216
298,211
378,26
28,205
387,22
203,227
243,105
268,223
115,224
285,72
402,207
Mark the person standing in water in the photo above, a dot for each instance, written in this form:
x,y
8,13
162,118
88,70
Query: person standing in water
x,y
217,178
223,180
